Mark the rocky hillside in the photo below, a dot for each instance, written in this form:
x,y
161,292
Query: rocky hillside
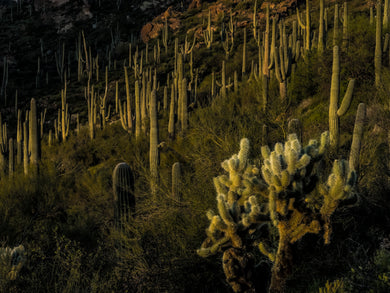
x,y
194,146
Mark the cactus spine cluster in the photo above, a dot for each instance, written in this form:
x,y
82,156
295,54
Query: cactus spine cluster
x,y
290,173
124,199
239,213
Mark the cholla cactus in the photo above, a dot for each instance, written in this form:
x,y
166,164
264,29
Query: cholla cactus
x,y
11,262
240,214
291,175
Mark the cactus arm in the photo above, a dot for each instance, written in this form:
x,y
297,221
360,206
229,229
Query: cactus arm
x,y
357,137
347,99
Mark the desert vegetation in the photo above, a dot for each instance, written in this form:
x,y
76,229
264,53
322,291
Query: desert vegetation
x,y
227,146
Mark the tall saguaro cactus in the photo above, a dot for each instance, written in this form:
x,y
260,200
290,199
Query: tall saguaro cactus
x,y
378,45
153,145
334,111
321,29
124,199
282,63
357,137
345,25
306,26
34,135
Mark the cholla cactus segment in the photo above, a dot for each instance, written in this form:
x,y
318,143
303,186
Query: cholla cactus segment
x,y
238,207
338,187
12,261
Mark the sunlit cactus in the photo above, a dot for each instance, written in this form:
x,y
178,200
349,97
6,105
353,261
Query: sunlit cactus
x,y
291,175
153,145
34,135
335,112
240,213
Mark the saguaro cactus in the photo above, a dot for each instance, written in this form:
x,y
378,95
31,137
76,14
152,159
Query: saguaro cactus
x,y
11,161
357,138
124,199
208,33
321,34
336,24
65,117
138,122
126,118
378,45
386,14
334,112
282,58
153,146
34,135
306,26
345,25
171,123
19,138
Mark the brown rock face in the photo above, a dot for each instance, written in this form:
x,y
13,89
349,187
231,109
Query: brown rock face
x,y
195,4
152,29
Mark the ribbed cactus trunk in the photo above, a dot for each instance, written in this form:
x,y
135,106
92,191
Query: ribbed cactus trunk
x,y
334,111
295,126
25,147
345,26
138,122
244,55
334,96
128,103
386,15
378,45
64,115
34,135
124,199
321,34
19,139
176,181
11,161
282,266
184,108
306,27
336,24
153,146
357,137
266,59
223,82
171,123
